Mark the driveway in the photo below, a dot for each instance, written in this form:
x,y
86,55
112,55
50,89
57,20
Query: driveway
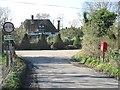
x,y
55,69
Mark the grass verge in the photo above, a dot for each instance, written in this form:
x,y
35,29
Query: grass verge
x,y
2,60
99,65
13,81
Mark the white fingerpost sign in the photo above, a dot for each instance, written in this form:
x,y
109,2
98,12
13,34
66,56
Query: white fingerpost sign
x,y
8,27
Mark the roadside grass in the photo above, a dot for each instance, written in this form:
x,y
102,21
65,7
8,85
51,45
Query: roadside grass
x,y
2,60
14,78
98,65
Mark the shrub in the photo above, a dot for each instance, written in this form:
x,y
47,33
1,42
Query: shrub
x,y
114,71
101,67
68,41
89,60
58,44
50,39
42,43
77,42
25,44
95,63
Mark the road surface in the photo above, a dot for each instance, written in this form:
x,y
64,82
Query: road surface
x,y
54,69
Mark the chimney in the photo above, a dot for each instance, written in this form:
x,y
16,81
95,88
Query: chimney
x,y
58,25
32,17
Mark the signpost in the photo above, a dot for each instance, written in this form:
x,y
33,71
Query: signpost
x,y
8,37
8,27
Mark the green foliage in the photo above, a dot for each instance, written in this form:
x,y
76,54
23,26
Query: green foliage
x,y
103,19
25,44
77,42
85,17
98,65
89,60
113,71
68,37
70,33
42,43
14,80
58,44
100,28
18,35
50,39
2,60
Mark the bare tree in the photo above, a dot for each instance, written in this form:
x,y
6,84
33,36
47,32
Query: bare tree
x,y
60,17
74,23
42,16
4,15
90,7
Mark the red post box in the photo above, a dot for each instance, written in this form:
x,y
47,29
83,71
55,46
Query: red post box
x,y
103,46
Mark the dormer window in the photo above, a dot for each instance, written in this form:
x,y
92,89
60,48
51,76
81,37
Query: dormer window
x,y
41,28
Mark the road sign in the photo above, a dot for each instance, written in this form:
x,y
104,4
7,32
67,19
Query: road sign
x,y
8,37
8,27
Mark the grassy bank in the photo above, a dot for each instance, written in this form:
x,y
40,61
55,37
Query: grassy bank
x,y
98,65
2,60
13,81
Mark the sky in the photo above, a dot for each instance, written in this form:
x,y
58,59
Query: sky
x,y
23,9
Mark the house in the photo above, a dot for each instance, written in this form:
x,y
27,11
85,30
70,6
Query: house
x,y
38,26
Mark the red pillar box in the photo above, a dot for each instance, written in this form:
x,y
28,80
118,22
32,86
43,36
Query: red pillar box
x,y
103,46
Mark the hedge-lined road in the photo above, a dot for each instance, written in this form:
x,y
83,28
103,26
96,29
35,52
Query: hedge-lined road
x,y
54,69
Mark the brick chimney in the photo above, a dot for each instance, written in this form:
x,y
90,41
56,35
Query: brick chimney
x,y
58,25
32,19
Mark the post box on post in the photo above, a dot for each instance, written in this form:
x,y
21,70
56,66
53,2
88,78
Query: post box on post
x,y
103,48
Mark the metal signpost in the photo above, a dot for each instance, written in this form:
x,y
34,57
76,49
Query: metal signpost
x,y
8,27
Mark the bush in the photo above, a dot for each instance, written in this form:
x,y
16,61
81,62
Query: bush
x,y
94,63
50,39
89,60
78,57
42,43
58,44
25,44
77,42
68,41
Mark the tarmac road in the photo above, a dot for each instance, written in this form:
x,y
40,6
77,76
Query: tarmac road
x,y
54,69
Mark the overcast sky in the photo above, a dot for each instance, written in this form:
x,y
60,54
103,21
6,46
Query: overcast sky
x,y
23,9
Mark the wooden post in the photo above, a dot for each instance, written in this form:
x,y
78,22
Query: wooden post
x,y
10,49
7,54
103,57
